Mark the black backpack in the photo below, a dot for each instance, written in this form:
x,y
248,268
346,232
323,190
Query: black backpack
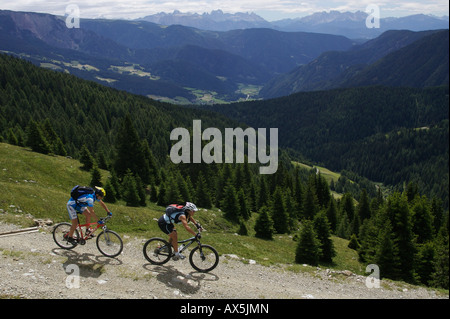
x,y
78,191
173,210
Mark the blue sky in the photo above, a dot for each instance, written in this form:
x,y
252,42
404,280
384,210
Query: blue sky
x,y
268,9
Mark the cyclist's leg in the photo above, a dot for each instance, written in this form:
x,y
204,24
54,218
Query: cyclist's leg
x,y
169,230
73,217
173,240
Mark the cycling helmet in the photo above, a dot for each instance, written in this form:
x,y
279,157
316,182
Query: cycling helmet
x,y
190,206
100,191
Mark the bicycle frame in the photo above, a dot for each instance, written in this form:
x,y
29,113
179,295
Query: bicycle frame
x,y
190,240
84,237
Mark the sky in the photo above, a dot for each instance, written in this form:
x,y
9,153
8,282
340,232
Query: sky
x,y
270,10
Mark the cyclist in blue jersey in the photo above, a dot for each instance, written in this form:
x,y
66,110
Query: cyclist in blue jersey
x,y
85,205
177,214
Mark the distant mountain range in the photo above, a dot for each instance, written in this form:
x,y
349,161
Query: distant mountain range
x,y
186,65
349,24
396,58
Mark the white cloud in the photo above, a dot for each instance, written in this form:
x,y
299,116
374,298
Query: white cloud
x,y
139,8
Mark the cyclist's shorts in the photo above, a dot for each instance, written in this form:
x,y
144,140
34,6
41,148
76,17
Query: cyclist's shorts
x,y
165,227
74,209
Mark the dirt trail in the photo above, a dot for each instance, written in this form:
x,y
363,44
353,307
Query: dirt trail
x,y
32,266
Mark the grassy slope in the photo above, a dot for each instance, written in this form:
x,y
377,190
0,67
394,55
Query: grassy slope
x,y
39,185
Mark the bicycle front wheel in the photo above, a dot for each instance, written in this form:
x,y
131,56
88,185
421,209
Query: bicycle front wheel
x,y
157,251
60,232
109,243
204,258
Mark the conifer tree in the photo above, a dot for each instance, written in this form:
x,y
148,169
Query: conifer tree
x,y
153,192
332,215
203,197
263,196
242,229
230,203
425,266
386,256
422,220
244,211
140,191
36,139
264,225
162,201
129,190
364,206
310,203
440,277
111,195
308,247
86,159
278,212
130,153
96,177
398,212
11,137
322,229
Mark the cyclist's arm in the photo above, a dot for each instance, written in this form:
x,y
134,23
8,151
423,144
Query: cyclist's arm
x,y
91,211
195,223
104,206
185,224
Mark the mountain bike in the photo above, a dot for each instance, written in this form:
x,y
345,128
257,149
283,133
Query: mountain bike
x,y
202,258
108,242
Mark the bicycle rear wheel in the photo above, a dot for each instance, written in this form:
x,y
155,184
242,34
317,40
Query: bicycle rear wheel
x,y
109,243
157,251
204,258
60,232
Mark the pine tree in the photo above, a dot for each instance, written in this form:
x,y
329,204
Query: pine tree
x,y
203,197
322,229
278,212
111,195
398,212
162,201
440,278
425,262
422,220
386,256
308,247
153,192
244,211
130,191
140,191
230,203
364,206
86,159
310,204
242,229
332,215
96,177
264,225
11,137
36,139
130,153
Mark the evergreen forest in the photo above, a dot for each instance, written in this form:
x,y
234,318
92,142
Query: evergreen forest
x,y
404,230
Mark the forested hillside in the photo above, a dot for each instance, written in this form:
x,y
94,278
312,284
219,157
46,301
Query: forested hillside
x,y
404,232
389,135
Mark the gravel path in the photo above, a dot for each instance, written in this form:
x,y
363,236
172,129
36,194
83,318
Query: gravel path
x,y
32,266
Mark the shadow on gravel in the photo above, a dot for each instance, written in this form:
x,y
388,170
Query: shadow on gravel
x,y
90,265
185,283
